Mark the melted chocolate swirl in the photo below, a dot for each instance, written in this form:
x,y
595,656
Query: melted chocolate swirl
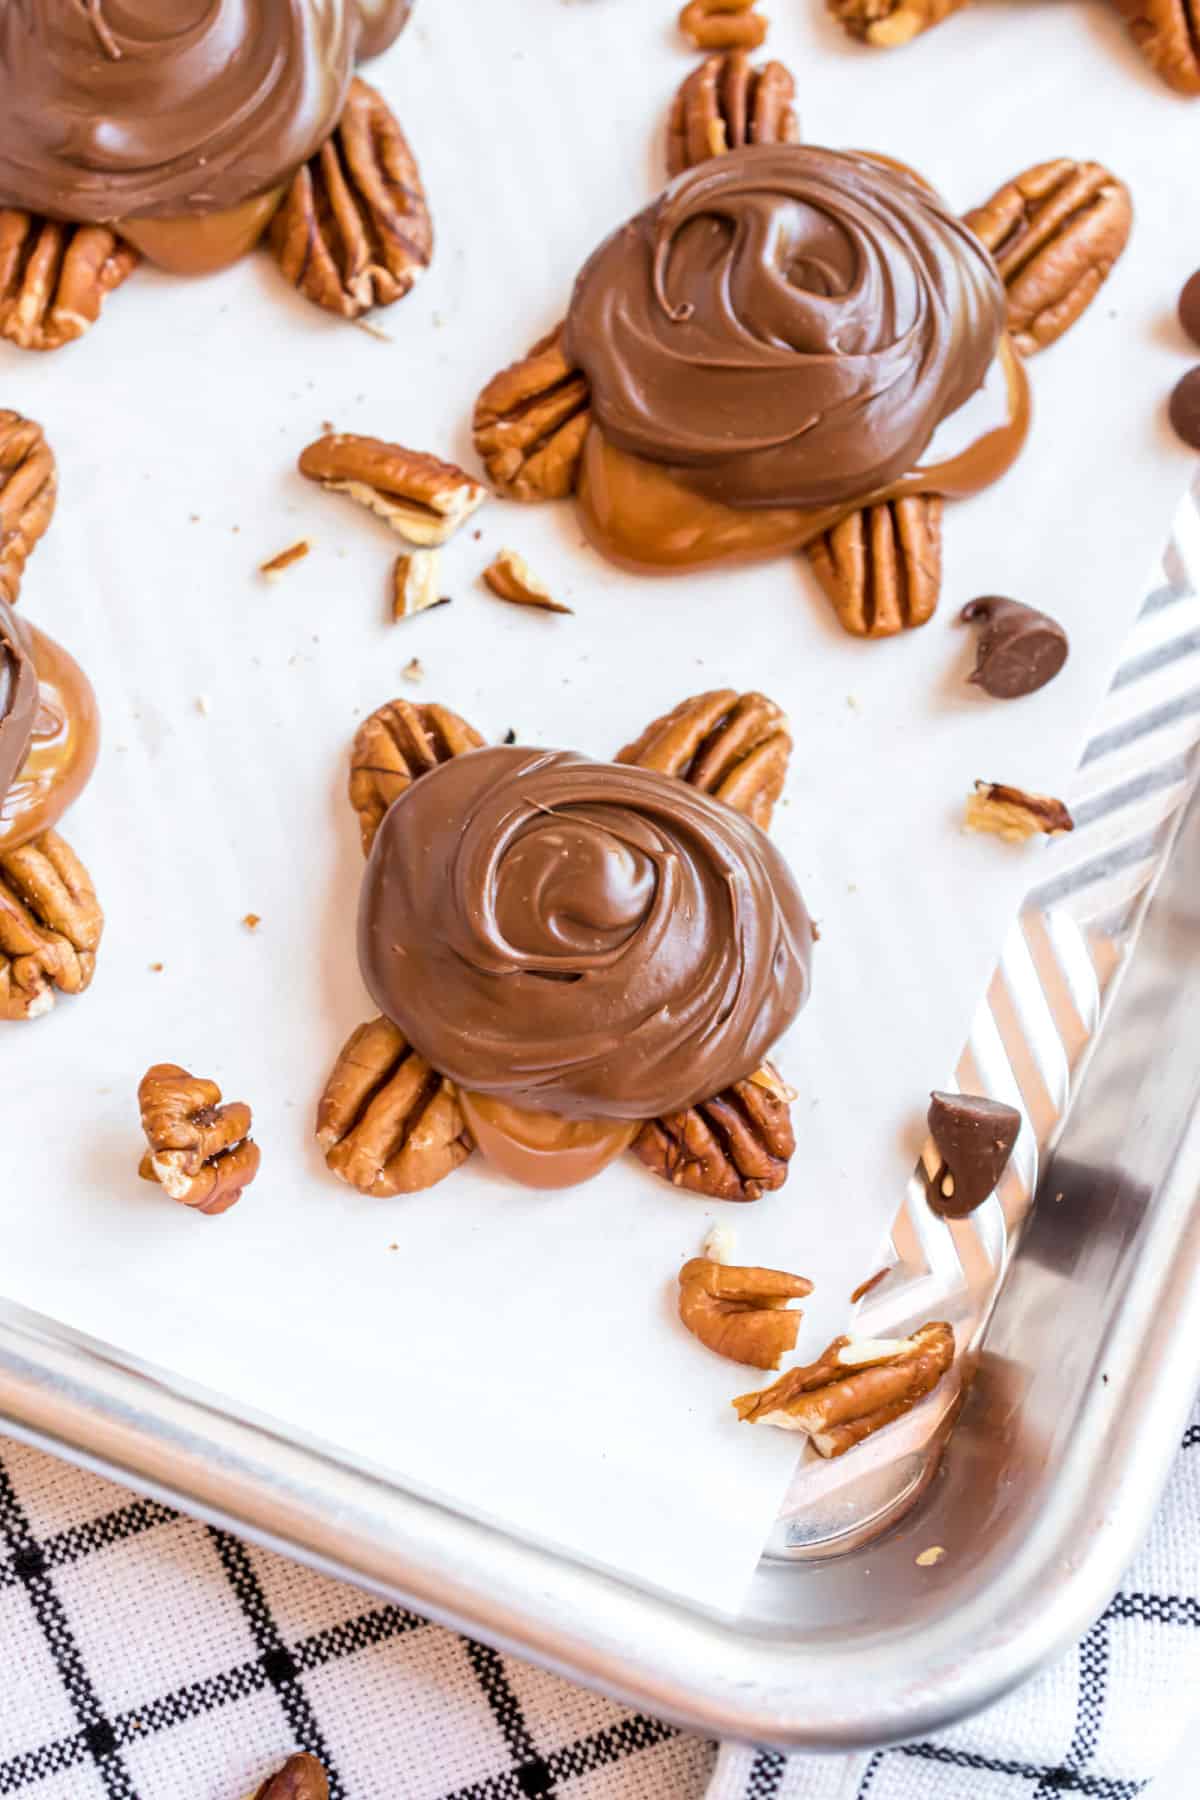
x,y
580,938
785,325
115,109
18,696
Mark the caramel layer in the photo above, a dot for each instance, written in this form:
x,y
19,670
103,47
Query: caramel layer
x,y
643,515
62,750
543,1150
200,243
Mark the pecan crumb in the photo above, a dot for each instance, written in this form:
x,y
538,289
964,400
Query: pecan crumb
x,y
294,553
1010,813
252,921
864,1287
414,671
156,968
415,583
510,578
200,1151
740,1312
926,1558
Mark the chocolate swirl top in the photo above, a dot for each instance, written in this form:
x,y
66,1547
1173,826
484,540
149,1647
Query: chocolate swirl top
x,y
581,938
786,325
18,696
116,109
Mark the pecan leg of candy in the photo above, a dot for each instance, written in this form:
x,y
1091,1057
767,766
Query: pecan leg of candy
x,y
396,745
354,230
1055,233
735,747
740,1313
854,1388
1167,33
723,24
50,926
302,1777
28,491
530,423
886,24
387,1122
424,499
727,103
736,1146
882,566
200,1151
54,278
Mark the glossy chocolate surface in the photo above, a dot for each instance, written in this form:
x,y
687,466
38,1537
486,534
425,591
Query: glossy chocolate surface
x,y
18,694
118,109
785,326
62,746
580,938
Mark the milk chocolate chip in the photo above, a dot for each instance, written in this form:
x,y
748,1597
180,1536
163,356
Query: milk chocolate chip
x,y
1189,307
1184,408
974,1139
1019,651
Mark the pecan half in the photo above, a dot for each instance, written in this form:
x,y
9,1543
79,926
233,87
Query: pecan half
x,y
302,1777
733,746
354,231
882,566
739,1312
387,1122
1055,233
421,497
50,926
28,491
1167,32
735,1146
727,103
723,24
1011,813
530,423
399,742
54,278
854,1388
200,1151
886,24
510,578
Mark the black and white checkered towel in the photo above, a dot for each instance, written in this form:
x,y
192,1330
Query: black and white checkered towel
x,y
149,1657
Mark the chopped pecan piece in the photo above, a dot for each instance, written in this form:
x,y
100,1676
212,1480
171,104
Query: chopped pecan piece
x,y
387,1122
739,1312
354,231
723,24
1009,812
733,1147
399,742
276,565
854,1388
200,1151
510,578
882,566
888,23
50,926
530,423
727,103
1167,32
302,1777
1055,233
735,747
54,278
415,582
28,491
419,496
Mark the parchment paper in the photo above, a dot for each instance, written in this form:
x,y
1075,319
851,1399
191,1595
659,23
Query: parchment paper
x,y
517,1354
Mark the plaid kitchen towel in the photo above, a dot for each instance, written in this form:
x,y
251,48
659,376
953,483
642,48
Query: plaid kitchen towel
x,y
149,1657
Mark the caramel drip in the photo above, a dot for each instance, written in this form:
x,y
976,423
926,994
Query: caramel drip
x,y
62,747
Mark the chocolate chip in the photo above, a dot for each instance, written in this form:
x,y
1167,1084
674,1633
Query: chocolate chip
x,y
1185,408
1020,650
1189,307
974,1139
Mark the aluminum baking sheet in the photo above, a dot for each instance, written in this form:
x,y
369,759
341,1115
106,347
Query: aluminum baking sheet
x,y
528,1337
